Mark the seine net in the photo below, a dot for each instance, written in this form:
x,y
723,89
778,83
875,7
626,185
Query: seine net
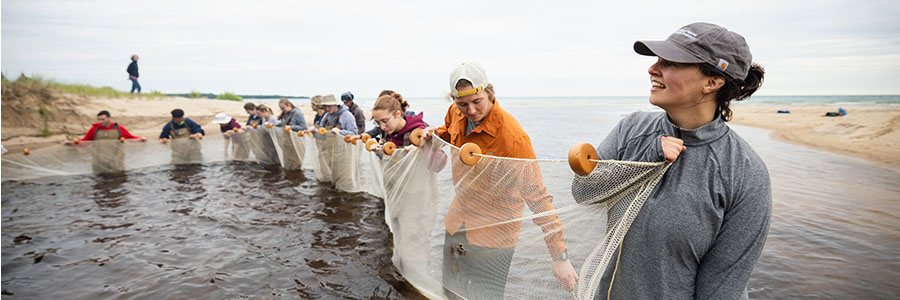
x,y
484,231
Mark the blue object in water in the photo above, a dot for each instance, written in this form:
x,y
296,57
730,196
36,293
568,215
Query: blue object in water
x,y
784,111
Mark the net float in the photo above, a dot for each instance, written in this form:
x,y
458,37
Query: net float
x,y
389,148
347,138
255,125
269,125
164,140
365,137
416,137
301,132
371,145
582,158
353,139
200,136
322,130
76,141
122,139
287,129
26,151
470,154
236,129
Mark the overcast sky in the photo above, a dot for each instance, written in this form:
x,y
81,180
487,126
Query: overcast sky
x,y
529,48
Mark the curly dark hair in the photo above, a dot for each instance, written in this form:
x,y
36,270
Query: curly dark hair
x,y
734,89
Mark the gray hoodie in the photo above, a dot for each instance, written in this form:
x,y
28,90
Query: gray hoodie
x,y
342,117
701,231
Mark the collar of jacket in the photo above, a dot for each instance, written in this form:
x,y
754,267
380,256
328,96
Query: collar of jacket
x,y
490,125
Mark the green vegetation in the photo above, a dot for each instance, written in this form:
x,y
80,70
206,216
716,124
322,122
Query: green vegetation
x,y
229,96
44,131
195,95
78,89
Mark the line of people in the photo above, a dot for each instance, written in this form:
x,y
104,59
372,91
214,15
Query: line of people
x,y
698,235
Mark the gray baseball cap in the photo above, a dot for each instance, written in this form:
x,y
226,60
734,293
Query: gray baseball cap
x,y
703,43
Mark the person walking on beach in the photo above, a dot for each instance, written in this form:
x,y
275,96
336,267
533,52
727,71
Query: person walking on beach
x,y
133,75
291,115
108,156
480,241
703,228
337,118
183,133
358,113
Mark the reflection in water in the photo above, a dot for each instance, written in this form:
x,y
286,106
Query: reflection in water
x,y
227,230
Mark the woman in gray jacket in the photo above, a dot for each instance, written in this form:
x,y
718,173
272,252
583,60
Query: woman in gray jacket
x,y
291,115
703,227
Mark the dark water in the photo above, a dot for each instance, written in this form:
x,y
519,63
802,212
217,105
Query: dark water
x,y
226,230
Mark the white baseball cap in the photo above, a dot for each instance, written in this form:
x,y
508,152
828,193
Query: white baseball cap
x,y
221,118
472,72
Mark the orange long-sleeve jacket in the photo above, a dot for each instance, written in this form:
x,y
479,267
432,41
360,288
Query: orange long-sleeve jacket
x,y
491,193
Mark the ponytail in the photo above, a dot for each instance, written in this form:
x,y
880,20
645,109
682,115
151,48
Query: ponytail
x,y
734,89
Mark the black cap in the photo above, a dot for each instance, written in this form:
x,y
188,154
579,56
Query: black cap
x,y
348,96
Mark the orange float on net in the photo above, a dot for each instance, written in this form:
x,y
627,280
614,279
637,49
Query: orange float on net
x,y
322,130
370,145
365,137
269,125
122,139
353,139
76,141
580,158
236,129
26,151
255,126
200,136
287,129
301,132
467,153
164,140
347,138
416,137
389,148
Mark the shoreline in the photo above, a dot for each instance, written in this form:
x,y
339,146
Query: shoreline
x,y
870,132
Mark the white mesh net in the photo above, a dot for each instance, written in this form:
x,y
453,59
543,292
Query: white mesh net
x,y
485,231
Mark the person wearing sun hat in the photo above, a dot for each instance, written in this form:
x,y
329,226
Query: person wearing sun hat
x,y
476,117
227,125
337,117
703,228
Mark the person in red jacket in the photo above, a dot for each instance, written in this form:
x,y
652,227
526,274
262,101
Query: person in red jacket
x,y
106,129
107,156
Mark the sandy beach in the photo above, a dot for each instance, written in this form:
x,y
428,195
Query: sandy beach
x,y
869,132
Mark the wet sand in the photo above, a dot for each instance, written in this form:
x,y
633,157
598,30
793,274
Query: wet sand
x,y
869,132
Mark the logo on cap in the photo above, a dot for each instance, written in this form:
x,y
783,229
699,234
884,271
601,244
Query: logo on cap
x,y
723,64
686,32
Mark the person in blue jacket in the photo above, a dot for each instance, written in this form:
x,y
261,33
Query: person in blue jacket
x,y
133,75
337,118
184,134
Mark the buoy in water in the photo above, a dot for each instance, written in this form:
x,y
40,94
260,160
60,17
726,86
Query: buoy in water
x,y
416,137
467,153
580,158
389,148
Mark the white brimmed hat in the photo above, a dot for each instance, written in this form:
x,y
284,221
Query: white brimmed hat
x,y
329,100
221,118
472,72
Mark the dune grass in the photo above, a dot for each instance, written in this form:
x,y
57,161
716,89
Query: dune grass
x,y
229,96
